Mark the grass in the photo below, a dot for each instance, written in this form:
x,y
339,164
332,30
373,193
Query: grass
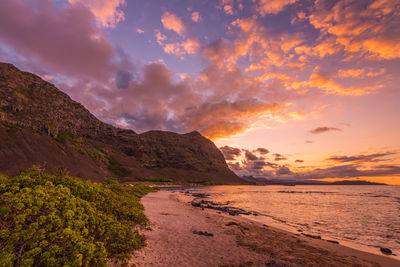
x,y
117,168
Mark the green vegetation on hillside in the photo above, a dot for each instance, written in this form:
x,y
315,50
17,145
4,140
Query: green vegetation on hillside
x,y
144,179
59,220
117,168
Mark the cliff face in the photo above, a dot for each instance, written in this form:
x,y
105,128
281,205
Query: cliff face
x,y
40,125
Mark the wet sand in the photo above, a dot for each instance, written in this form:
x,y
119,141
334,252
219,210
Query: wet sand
x,y
181,236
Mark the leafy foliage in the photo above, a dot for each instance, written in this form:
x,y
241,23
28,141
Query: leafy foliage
x,y
59,220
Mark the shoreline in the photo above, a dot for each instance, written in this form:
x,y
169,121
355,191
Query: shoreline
x,y
190,236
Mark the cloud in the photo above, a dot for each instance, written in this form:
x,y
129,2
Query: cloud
x,y
218,49
139,31
67,42
123,78
173,22
360,158
250,79
261,150
189,46
160,38
355,27
299,161
283,170
250,156
265,7
350,171
230,153
225,118
323,129
228,9
279,157
324,81
107,12
359,73
195,16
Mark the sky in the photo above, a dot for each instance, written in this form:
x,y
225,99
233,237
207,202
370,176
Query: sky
x,y
288,89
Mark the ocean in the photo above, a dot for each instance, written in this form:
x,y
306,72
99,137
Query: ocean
x,y
363,217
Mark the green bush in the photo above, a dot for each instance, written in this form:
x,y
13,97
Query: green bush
x,y
59,220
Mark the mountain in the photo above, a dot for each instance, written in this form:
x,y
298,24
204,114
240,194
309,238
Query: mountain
x,y
266,181
40,125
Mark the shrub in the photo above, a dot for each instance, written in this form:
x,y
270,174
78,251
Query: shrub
x,y
59,220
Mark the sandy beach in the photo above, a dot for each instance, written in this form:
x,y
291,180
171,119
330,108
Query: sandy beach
x,y
183,235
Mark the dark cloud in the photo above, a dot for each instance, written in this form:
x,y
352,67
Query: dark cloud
x,y
299,161
218,49
230,153
283,170
360,158
250,156
279,157
261,150
351,171
308,142
235,166
258,164
123,79
343,171
323,129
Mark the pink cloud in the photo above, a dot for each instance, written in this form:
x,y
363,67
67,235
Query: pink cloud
x,y
173,22
107,12
63,40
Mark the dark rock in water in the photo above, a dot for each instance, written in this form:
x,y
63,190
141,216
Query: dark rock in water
x,y
386,251
312,236
205,204
200,195
195,204
332,241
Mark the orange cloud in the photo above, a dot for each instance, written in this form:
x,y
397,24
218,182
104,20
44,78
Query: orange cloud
x,y
224,119
173,23
190,46
370,30
107,12
160,37
265,7
196,16
359,73
323,81
228,9
326,48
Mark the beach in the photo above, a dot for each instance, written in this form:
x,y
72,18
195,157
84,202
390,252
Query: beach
x,y
182,235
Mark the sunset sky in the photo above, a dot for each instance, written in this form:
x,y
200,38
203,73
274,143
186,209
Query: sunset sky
x,y
288,89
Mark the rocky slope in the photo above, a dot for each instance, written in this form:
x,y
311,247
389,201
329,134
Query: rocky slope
x,y
40,125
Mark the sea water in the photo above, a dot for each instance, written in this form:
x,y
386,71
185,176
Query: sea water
x,y
368,216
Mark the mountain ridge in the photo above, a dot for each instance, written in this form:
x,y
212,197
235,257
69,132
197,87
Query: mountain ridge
x,y
41,125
